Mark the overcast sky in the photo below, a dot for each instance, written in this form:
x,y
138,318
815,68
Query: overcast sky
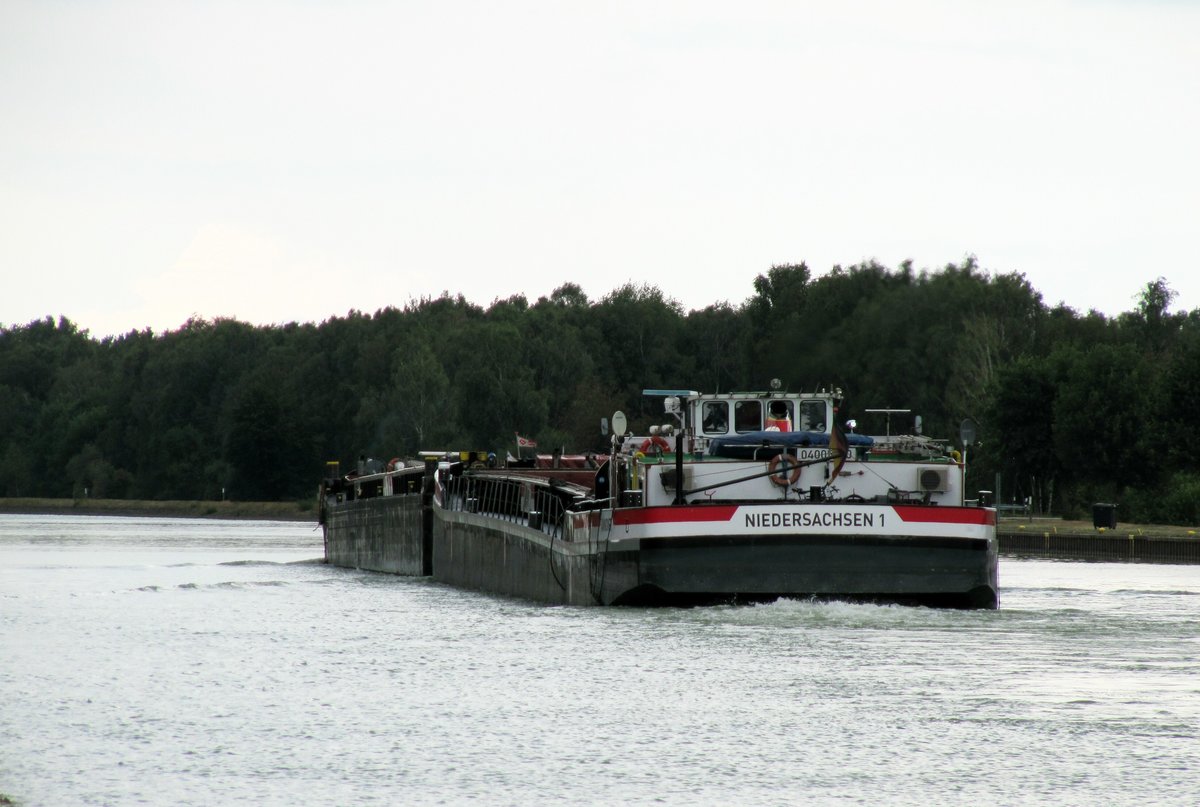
x,y
280,161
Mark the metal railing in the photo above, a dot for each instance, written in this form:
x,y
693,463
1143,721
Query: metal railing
x,y
518,501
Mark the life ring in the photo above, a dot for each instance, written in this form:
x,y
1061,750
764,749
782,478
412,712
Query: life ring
x,y
654,441
781,477
393,463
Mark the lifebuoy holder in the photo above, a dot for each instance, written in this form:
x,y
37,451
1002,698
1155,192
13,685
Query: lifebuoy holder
x,y
784,469
654,442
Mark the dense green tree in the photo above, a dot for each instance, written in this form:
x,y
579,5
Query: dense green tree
x,y
414,412
776,315
1019,430
1177,415
1100,419
493,392
259,446
719,340
560,345
640,331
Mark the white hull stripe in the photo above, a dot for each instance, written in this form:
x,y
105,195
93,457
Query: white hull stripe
x,y
803,519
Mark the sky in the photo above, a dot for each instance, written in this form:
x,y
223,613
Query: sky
x,y
291,161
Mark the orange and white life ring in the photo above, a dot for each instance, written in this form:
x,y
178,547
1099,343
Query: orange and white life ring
x,y
654,442
393,463
784,473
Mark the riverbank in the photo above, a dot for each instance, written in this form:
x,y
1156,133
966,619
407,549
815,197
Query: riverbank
x,y
1081,540
1029,537
267,511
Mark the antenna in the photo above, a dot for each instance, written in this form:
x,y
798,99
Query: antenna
x,y
888,413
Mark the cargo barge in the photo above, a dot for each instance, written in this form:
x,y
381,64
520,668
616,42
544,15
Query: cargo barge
x,y
745,496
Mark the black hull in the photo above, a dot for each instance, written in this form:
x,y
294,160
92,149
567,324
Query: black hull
x,y
979,598
941,572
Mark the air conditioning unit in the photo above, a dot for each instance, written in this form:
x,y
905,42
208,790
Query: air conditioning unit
x,y
933,480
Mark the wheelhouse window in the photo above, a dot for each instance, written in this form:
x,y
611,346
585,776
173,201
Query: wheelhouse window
x,y
747,416
714,417
779,415
812,416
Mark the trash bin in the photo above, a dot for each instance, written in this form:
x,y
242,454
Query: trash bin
x,y
1104,516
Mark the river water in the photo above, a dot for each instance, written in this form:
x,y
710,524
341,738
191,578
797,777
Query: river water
x,y
192,662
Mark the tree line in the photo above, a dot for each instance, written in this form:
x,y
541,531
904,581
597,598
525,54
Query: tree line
x,y
1070,408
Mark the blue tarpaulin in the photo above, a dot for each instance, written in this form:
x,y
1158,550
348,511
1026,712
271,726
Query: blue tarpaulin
x,y
764,444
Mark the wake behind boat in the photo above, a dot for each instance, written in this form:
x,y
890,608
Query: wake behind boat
x,y
740,497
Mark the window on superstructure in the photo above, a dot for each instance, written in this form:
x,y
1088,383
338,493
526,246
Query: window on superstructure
x,y
779,415
812,416
714,418
747,416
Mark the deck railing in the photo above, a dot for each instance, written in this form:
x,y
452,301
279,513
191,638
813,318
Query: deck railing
x,y
519,501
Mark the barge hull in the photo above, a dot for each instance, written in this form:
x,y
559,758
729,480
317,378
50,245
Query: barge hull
x,y
943,572
382,534
510,558
515,560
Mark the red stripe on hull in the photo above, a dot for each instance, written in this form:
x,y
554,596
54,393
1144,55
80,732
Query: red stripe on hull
x,y
686,514
674,515
945,515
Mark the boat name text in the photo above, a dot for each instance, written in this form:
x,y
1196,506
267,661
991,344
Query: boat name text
x,y
829,518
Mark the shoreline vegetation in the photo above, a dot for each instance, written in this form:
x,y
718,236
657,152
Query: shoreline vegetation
x,y
259,411
263,511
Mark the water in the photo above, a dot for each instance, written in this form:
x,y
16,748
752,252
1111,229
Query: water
x,y
179,662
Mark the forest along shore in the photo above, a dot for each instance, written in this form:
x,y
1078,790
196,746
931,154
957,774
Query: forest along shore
x,y
265,511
